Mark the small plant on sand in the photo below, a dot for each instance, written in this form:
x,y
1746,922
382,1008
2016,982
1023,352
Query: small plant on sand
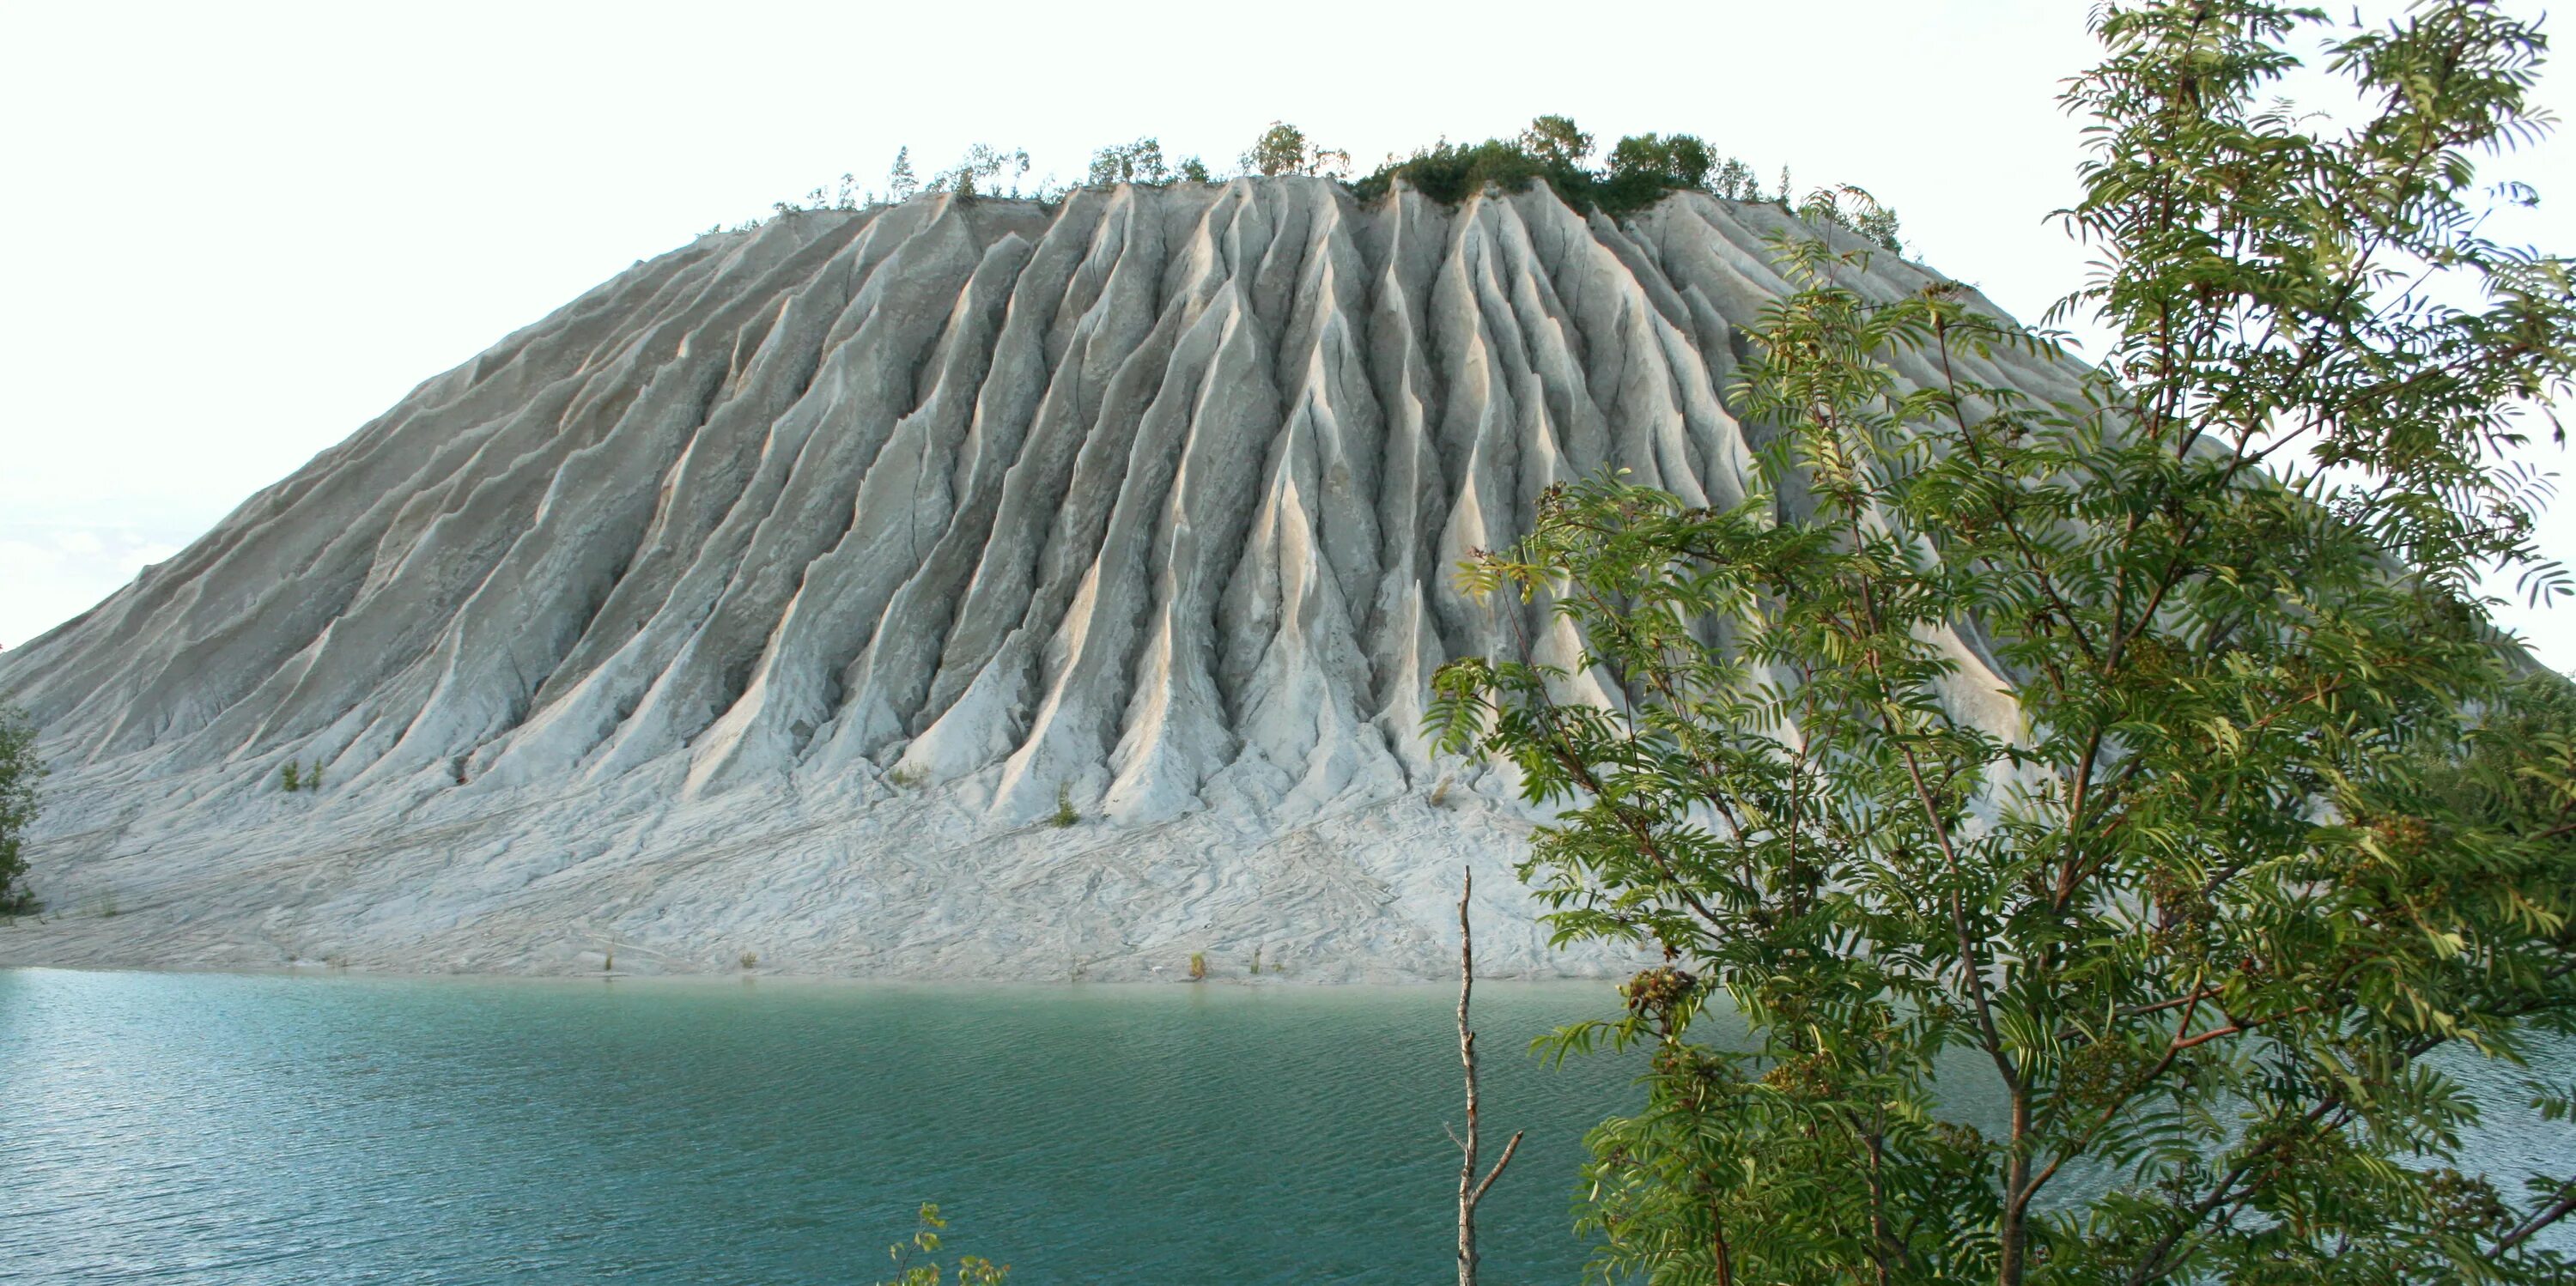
x,y
909,1256
290,778
1256,961
905,778
1198,966
313,776
1064,812
750,960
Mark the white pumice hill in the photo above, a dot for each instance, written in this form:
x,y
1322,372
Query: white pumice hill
x,y
769,599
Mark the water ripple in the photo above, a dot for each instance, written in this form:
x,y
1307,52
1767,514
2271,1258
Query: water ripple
x,y
252,1129
255,1129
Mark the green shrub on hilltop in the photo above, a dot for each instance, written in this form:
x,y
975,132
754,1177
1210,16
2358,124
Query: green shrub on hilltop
x,y
1452,172
1641,170
982,172
1284,149
1137,162
1142,163
1680,161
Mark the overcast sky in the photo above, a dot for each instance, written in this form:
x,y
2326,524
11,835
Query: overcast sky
x,y
237,231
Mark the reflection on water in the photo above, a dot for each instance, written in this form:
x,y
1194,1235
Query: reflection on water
x,y
237,1128
230,1128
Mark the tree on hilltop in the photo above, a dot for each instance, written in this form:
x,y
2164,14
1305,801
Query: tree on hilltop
x,y
1285,149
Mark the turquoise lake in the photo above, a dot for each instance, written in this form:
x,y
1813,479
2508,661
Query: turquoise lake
x,y
333,1128
265,1128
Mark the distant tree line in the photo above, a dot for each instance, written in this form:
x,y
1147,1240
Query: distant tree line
x,y
1639,170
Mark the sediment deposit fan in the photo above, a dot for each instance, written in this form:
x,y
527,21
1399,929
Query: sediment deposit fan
x,y
769,598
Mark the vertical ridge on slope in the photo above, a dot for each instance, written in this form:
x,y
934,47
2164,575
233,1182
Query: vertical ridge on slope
x,y
1152,501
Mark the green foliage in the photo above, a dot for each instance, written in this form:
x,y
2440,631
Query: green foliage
x,y
901,183
1555,141
916,1262
1682,161
1065,815
1850,207
1137,162
290,777
2514,765
1281,149
1643,167
2268,838
1198,966
1285,149
1452,172
19,771
842,194
982,173
1734,180
1642,170
1142,162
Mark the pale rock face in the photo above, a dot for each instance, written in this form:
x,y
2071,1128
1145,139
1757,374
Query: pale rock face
x,y
766,598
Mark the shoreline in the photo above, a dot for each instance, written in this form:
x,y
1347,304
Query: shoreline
x,y
677,981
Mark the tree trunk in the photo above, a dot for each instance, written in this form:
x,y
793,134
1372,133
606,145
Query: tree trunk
x,y
2014,1235
1469,1190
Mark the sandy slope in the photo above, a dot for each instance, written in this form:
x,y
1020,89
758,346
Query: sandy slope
x,y
767,597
